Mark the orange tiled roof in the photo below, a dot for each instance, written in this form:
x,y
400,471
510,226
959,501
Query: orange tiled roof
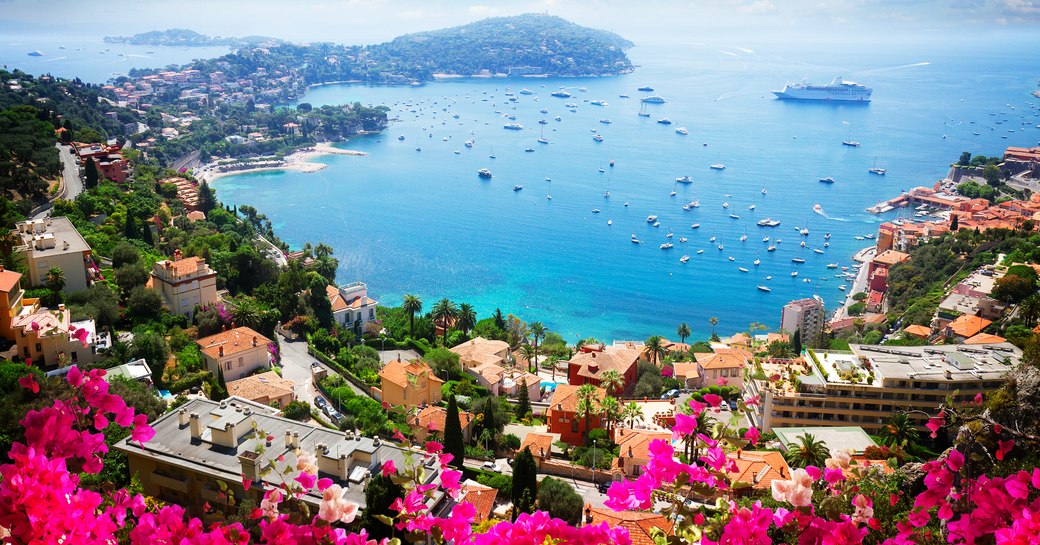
x,y
685,370
985,338
919,331
638,523
339,303
891,257
636,443
233,341
432,418
260,386
8,280
47,321
723,358
967,325
594,363
181,267
538,443
482,497
397,371
759,468
566,396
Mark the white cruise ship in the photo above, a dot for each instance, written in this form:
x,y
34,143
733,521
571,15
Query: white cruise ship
x,y
838,89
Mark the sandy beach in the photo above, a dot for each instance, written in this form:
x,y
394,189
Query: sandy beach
x,y
301,160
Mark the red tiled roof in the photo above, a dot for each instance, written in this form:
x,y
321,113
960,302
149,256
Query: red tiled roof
x,y
432,418
891,257
539,443
397,371
638,523
566,396
482,497
759,468
594,363
724,358
636,443
919,331
985,338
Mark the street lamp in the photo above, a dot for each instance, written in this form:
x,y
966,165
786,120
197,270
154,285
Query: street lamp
x,y
594,462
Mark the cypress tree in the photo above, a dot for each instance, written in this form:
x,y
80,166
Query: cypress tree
x,y
130,229
91,176
453,443
146,234
523,400
796,343
954,223
525,482
488,421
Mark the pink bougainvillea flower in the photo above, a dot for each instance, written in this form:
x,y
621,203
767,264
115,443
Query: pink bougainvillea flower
x,y
752,435
978,398
324,483
29,383
389,468
1004,447
797,491
433,447
399,436
934,424
712,400
306,480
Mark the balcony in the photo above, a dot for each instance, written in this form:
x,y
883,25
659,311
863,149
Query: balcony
x,y
167,480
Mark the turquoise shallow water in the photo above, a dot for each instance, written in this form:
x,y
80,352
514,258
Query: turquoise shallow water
x,y
408,221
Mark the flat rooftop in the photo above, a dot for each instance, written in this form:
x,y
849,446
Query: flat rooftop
x,y
955,362
835,437
173,444
60,228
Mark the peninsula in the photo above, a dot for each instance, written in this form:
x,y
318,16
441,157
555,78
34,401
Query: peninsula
x,y
182,37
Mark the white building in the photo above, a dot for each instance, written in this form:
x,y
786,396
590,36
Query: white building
x,y
55,243
806,317
352,308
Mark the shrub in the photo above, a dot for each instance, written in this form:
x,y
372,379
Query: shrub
x,y
297,410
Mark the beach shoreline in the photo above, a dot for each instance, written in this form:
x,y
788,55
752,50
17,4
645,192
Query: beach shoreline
x,y
301,160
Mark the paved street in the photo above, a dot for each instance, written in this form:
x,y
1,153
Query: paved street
x,y
73,183
296,366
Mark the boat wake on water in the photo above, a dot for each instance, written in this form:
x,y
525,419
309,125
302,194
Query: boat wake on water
x,y
900,67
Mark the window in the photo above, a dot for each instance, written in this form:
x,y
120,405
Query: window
x,y
241,362
371,314
39,347
75,356
227,365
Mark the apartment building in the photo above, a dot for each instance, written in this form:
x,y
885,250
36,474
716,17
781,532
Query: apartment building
x,y
55,243
236,352
205,443
805,317
865,386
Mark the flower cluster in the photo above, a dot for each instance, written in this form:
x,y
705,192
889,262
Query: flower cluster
x,y
824,506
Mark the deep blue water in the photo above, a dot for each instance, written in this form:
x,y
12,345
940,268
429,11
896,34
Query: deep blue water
x,y
406,221
423,222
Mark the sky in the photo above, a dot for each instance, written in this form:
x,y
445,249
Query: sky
x,y
643,21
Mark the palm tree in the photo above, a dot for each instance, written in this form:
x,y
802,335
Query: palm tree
x,y
552,360
1030,309
445,312
537,330
412,305
612,381
467,317
587,405
322,250
611,409
632,413
807,451
326,266
714,322
899,430
529,355
683,332
654,348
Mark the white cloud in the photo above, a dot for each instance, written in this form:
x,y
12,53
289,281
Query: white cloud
x,y
759,7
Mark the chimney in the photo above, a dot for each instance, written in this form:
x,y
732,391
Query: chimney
x,y
588,513
250,465
630,454
220,350
738,453
182,417
196,425
288,439
61,306
254,341
296,439
177,255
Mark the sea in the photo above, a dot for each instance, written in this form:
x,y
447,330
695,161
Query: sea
x,y
412,216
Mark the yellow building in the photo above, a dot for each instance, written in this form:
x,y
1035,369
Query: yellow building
x,y
184,283
265,388
236,352
409,384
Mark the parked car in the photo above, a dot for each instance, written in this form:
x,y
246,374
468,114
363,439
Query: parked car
x,y
732,405
491,466
334,415
670,394
320,403
602,487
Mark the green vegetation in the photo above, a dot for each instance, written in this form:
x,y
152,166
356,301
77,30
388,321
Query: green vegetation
x,y
182,37
560,500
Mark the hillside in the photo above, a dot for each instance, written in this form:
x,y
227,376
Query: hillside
x,y
551,45
188,38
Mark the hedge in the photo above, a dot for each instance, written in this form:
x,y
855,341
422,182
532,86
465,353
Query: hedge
x,y
189,381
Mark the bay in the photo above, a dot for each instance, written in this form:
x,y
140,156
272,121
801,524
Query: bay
x,y
407,221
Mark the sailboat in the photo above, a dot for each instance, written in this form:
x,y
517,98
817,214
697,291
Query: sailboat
x,y
850,142
541,136
642,110
875,169
492,155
